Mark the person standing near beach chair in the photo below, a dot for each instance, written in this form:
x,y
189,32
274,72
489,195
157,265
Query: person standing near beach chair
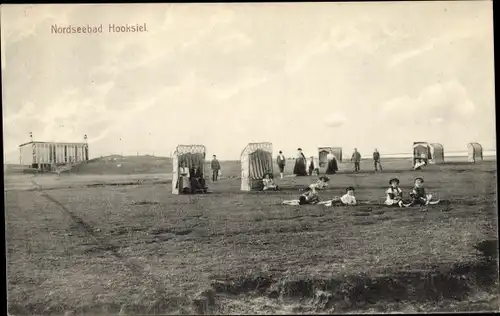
x,y
356,157
376,160
215,168
281,160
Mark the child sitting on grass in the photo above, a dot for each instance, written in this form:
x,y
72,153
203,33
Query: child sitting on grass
x,y
347,199
268,183
394,193
309,196
418,195
321,184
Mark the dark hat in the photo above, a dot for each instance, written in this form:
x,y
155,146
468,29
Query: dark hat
x,y
419,178
324,178
299,148
394,180
281,152
302,200
350,189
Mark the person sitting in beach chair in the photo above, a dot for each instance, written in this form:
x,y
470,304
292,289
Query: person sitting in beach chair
x,y
418,195
394,194
184,178
268,183
345,200
197,180
419,163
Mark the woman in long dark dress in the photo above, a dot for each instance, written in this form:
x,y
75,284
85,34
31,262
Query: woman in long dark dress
x,y
300,164
332,167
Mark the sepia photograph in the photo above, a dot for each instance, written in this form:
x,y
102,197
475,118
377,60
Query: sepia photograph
x,y
249,158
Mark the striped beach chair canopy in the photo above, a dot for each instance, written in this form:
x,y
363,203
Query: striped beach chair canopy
x,y
191,154
256,161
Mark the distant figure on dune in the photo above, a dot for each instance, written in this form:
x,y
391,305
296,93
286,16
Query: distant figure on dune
x,y
281,161
215,168
332,166
300,164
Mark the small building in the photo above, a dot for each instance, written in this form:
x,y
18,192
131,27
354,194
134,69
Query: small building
x,y
42,155
324,151
475,152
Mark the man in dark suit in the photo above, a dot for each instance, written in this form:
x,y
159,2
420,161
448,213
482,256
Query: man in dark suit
x,y
197,180
376,160
356,157
215,168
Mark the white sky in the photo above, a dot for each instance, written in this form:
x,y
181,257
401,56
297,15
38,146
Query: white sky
x,y
365,75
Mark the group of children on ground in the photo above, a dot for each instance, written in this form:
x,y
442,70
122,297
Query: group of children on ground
x,y
394,195
418,196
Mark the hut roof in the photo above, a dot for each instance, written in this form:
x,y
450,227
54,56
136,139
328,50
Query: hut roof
x,y
475,145
251,147
436,145
185,149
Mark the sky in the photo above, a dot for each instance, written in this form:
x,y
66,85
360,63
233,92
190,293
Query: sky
x,y
365,75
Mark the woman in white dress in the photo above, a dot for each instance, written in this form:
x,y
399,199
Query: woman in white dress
x,y
184,177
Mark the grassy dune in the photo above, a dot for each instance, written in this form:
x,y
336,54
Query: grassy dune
x,y
135,248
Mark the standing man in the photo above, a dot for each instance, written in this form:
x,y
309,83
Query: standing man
x,y
376,160
356,157
281,160
215,168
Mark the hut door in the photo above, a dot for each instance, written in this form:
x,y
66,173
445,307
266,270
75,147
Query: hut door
x,y
323,160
